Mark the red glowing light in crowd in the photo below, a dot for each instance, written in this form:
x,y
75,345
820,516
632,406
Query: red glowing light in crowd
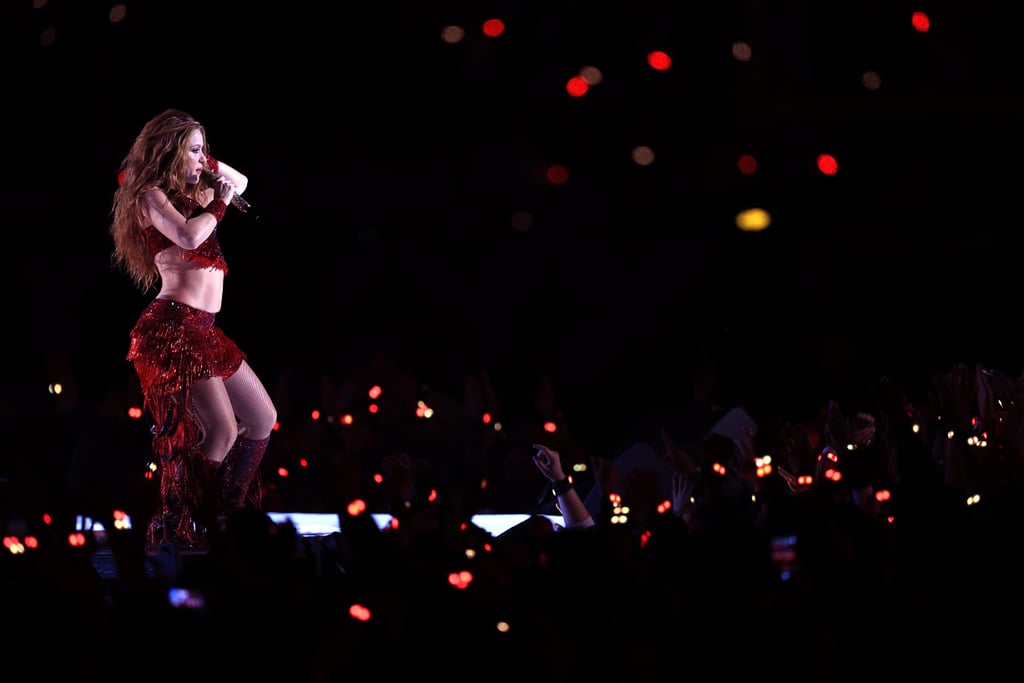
x,y
359,612
493,28
374,392
373,408
747,164
920,21
557,174
805,480
47,519
276,427
644,538
315,414
461,579
356,507
31,542
550,427
719,468
135,412
303,463
433,496
659,60
76,539
577,86
664,506
486,418
883,495
833,475
378,478
346,419
282,472
120,176
827,164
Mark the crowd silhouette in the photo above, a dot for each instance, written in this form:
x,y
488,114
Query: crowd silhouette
x,y
875,540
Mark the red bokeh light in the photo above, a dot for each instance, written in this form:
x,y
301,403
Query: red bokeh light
x,y
557,174
659,60
827,164
460,579
493,28
577,86
359,613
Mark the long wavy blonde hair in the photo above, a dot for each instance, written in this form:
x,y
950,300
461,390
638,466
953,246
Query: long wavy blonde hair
x,y
156,159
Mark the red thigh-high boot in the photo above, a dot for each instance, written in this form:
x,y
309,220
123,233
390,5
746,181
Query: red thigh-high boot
x,y
240,480
168,524
190,492
206,493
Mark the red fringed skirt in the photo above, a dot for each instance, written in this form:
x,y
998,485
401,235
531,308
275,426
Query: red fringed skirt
x,y
173,346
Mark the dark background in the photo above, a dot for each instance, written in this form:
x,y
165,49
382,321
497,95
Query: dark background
x,y
387,166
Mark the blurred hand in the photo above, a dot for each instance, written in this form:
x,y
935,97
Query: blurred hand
x,y
549,462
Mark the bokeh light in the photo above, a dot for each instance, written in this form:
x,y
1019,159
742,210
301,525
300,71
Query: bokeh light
x,y
753,220
659,61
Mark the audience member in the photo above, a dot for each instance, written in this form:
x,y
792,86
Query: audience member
x,y
880,541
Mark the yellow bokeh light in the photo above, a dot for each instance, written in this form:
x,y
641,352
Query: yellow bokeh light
x,y
753,220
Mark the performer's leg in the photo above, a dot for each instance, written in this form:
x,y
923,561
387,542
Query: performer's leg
x,y
240,474
211,409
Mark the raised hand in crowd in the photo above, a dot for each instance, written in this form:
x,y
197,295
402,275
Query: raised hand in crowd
x,y
574,513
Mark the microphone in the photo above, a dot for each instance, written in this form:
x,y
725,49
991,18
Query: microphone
x,y
237,201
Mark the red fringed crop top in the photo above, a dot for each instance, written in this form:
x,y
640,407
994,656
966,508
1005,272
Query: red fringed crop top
x,y
206,255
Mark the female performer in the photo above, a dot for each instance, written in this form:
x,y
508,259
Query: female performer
x,y
212,417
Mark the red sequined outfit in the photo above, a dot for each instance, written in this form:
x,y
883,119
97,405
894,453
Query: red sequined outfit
x,y
173,346
207,254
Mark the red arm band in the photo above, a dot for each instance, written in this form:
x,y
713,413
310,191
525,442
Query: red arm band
x,y
217,207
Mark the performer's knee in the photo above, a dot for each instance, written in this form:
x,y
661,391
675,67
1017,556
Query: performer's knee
x,y
218,441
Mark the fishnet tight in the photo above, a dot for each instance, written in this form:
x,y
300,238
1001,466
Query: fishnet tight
x,y
228,408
